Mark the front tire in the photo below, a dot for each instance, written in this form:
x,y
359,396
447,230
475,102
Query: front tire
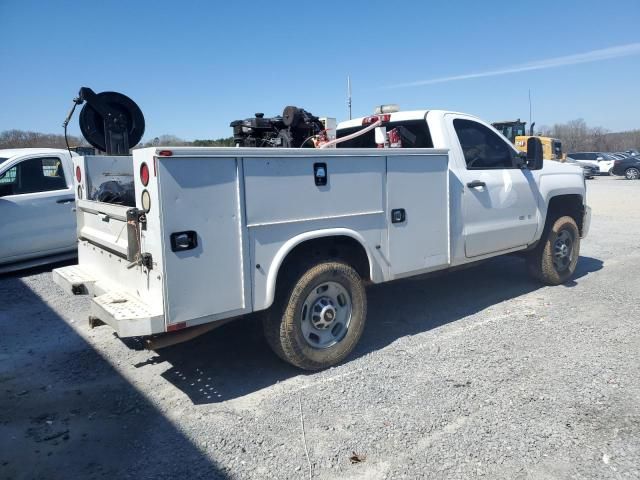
x,y
316,322
632,173
555,258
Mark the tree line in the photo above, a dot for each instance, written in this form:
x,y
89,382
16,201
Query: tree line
x,y
575,135
172,140
27,139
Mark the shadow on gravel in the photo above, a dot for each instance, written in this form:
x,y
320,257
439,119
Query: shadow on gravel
x,y
65,412
234,360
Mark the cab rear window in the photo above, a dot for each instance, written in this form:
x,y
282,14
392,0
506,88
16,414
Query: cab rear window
x,y
414,134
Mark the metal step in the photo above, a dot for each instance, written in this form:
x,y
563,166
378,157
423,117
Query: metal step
x,y
74,279
127,314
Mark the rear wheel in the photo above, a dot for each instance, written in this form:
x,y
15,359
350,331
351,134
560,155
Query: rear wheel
x,y
316,322
555,258
632,173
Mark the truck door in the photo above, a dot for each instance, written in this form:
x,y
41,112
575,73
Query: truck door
x,y
36,208
499,204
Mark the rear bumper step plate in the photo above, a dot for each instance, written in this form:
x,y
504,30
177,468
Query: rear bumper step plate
x,y
126,314
74,279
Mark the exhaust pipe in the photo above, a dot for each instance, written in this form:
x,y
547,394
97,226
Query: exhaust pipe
x,y
531,129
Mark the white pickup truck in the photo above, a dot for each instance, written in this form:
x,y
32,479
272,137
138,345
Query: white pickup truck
x,y
37,219
216,233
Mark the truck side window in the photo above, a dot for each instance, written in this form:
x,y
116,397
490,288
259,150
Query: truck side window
x,y
34,175
482,148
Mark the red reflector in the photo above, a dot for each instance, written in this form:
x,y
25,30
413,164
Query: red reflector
x,y
375,118
78,174
165,153
144,174
176,326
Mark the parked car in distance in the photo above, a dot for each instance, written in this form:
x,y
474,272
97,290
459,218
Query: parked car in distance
x,y
627,167
37,205
588,171
604,161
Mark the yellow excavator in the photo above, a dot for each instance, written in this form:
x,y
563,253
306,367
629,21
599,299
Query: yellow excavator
x,y
515,131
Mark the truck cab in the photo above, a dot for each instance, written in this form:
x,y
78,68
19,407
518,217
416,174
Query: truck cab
x,y
497,203
36,207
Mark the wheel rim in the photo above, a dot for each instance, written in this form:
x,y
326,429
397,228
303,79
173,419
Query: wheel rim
x,y
633,174
563,250
326,315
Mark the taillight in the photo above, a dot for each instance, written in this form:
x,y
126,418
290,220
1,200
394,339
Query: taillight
x,y
144,174
374,118
146,201
165,153
617,162
78,174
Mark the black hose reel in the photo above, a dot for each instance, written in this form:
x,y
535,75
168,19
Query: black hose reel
x,y
109,121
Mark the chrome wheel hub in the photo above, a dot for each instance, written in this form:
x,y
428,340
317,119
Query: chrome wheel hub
x,y
326,315
323,313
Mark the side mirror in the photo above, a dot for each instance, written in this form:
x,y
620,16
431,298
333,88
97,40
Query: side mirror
x,y
534,153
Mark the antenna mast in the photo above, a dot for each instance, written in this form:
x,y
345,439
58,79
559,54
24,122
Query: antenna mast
x,y
530,115
349,95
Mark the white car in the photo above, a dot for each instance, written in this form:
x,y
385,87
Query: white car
x,y
37,205
604,161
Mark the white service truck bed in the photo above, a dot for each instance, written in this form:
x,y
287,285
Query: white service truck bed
x,y
240,212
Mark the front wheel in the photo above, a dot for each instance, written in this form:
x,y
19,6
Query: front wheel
x,y
555,258
316,322
632,173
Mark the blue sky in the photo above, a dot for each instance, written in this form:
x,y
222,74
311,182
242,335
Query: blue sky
x,y
194,66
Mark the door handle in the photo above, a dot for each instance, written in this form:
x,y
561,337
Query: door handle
x,y
476,184
65,200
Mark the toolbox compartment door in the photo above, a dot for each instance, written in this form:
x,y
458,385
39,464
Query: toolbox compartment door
x,y
202,195
418,192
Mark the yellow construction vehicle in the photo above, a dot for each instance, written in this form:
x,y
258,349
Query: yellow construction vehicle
x,y
515,131
551,147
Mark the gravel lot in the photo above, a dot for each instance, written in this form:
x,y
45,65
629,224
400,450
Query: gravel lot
x,y
478,373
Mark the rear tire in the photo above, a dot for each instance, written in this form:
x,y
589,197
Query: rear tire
x,y
555,258
317,321
632,173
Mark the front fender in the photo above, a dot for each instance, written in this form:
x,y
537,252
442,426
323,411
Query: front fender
x,y
554,185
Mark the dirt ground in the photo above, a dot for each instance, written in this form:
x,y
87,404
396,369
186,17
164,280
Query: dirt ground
x,y
477,373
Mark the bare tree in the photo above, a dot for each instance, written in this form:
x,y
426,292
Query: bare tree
x,y
24,139
577,136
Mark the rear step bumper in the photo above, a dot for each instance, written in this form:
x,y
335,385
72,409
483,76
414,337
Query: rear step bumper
x,y
74,280
127,314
